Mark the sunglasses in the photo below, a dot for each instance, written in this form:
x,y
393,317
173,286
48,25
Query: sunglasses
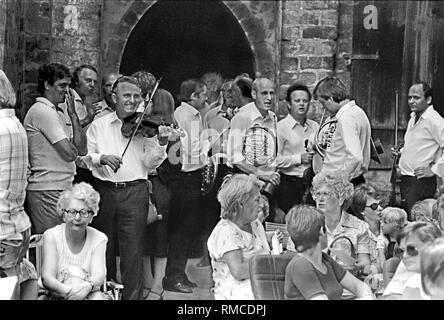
x,y
411,251
374,205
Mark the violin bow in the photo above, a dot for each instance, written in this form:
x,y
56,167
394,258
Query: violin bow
x,y
147,103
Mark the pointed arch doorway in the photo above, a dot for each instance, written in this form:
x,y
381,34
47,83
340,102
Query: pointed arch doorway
x,y
177,40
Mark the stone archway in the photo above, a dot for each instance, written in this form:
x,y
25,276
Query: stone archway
x,y
257,19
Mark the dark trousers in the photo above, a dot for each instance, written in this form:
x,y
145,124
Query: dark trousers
x,y
290,192
413,190
123,211
185,219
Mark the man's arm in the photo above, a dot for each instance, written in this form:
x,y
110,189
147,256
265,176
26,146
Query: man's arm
x,y
79,136
353,149
438,136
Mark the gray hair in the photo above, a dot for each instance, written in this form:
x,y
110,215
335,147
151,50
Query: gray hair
x,y
338,182
81,191
7,93
432,265
235,191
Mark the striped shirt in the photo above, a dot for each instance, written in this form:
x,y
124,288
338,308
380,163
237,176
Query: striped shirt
x,y
13,172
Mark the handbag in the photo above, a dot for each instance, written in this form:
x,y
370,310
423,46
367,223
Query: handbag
x,y
348,261
152,215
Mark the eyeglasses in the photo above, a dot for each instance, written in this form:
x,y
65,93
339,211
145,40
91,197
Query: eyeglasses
x,y
373,206
318,195
84,213
410,249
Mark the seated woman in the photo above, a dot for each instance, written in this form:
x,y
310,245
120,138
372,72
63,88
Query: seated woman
x,y
332,193
432,271
237,237
411,240
74,264
367,208
312,274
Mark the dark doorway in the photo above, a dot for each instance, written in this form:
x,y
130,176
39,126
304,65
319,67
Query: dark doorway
x,y
178,40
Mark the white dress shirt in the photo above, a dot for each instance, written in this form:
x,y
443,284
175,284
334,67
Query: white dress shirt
x,y
247,117
291,144
423,144
194,147
350,147
105,138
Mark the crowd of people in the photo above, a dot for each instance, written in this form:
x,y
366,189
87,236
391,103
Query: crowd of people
x,y
73,173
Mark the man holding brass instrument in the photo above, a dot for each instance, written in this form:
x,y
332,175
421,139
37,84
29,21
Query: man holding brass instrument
x,y
421,157
348,148
252,136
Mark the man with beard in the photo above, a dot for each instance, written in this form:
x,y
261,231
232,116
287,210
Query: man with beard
x,y
54,144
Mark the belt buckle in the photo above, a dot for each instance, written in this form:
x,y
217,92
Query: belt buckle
x,y
120,184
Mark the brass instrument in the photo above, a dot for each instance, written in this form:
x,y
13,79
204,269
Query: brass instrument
x,y
322,141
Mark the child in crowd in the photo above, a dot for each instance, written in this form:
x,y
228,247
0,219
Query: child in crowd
x,y
393,220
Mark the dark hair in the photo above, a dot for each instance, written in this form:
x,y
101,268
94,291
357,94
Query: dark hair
x,y
298,87
50,73
127,79
190,86
359,199
425,88
245,86
331,87
76,73
163,106
303,224
147,81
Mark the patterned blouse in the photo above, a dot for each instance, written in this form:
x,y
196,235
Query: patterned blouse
x,y
227,237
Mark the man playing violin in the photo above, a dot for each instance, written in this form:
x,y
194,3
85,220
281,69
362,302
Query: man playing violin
x,y
350,145
54,143
421,160
122,183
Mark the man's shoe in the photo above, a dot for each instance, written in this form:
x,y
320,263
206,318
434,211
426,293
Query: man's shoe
x,y
178,287
189,283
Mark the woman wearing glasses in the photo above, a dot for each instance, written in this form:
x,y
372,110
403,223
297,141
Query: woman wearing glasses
x,y
332,193
366,207
312,274
406,283
73,253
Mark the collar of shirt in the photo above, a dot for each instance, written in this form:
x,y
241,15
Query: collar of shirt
x,y
7,113
104,106
114,118
345,222
189,108
77,97
254,113
293,123
425,114
344,108
49,104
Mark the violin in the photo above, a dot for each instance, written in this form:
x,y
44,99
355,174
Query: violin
x,y
149,126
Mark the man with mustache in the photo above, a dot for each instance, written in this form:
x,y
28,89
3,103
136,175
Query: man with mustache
x,y
421,158
54,144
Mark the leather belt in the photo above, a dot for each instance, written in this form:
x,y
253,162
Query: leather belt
x,y
122,185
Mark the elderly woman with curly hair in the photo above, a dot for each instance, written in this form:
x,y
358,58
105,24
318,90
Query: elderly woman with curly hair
x,y
332,193
312,274
237,237
74,264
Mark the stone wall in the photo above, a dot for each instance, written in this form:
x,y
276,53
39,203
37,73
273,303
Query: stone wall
x,y
310,37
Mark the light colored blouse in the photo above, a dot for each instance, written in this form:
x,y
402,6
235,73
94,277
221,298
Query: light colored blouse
x,y
75,265
227,237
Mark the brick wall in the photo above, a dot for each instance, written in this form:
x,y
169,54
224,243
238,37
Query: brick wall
x,y
310,31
